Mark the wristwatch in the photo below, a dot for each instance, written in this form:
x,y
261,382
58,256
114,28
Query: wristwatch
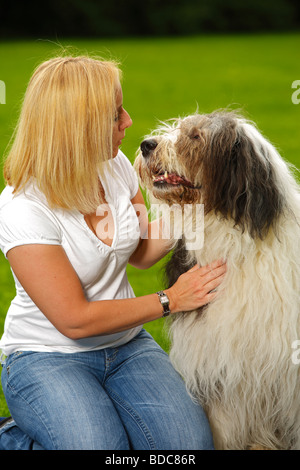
x,y
164,300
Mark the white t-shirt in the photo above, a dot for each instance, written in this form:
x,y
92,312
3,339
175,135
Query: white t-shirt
x,y
26,218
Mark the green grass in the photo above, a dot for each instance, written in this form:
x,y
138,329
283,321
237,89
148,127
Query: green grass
x,y
165,78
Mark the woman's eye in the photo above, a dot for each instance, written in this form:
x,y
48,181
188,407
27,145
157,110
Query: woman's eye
x,y
118,115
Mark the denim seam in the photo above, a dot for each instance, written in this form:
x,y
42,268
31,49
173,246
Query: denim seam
x,y
12,359
33,411
138,420
108,361
138,353
7,428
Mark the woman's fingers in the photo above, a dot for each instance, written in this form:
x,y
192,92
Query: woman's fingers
x,y
209,267
194,268
209,272
196,287
215,267
214,283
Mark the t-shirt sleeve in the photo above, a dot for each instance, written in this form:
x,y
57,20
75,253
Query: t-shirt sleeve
x,y
129,174
24,222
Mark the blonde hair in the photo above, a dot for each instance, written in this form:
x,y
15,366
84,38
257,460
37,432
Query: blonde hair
x,y
64,133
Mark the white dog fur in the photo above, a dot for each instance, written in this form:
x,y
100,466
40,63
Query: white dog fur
x,y
235,354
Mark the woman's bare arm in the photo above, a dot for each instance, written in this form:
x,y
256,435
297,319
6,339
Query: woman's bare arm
x,y
50,280
152,246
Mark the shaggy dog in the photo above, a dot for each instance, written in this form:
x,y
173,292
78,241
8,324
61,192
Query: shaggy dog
x,y
235,354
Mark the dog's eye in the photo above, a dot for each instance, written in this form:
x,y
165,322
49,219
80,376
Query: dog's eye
x,y
196,137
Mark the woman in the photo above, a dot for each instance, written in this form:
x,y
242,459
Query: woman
x,y
80,371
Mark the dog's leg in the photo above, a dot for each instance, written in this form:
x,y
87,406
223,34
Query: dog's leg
x,y
178,263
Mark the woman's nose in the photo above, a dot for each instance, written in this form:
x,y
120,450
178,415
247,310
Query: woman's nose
x,y
127,121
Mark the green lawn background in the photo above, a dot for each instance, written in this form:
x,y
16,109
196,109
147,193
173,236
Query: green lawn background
x,y
166,78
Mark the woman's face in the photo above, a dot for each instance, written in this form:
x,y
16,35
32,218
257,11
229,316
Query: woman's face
x,y
122,121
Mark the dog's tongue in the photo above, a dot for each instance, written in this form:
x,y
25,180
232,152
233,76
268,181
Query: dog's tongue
x,y
172,178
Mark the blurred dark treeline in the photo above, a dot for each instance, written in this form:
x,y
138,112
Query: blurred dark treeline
x,y
117,18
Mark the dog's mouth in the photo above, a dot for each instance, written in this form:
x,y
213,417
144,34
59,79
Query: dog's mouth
x,y
163,178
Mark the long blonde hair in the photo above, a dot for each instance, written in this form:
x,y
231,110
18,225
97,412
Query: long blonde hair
x,y
64,132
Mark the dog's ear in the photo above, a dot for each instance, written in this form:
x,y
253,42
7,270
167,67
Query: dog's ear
x,y
240,181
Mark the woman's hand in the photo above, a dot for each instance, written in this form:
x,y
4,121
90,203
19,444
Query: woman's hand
x,y
195,288
49,279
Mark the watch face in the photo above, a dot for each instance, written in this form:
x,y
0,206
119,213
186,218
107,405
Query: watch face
x,y
164,300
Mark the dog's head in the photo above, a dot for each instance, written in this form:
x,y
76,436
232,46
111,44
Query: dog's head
x,y
219,160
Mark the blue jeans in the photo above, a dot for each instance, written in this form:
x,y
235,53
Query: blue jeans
x,y
122,398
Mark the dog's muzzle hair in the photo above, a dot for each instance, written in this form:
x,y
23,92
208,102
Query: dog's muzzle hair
x,y
220,160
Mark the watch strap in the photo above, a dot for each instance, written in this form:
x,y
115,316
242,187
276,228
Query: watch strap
x,y
164,300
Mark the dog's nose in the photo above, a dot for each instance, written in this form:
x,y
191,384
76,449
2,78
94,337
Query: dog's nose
x,y
147,146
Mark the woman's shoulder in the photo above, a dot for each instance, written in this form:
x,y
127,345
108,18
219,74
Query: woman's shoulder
x,y
22,200
6,196
25,219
